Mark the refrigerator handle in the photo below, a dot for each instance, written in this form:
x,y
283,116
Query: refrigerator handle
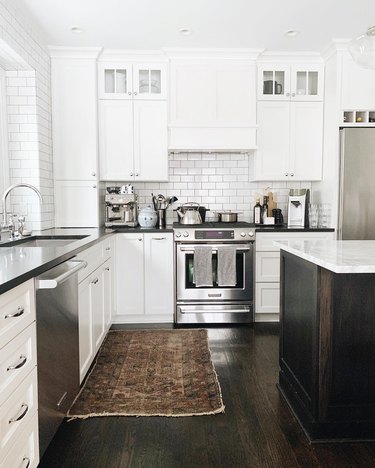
x,y
341,183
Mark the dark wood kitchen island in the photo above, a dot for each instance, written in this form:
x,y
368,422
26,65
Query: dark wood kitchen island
x,y
327,337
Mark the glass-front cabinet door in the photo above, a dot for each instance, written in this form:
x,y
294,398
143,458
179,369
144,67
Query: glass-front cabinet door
x,y
149,81
307,82
115,81
273,82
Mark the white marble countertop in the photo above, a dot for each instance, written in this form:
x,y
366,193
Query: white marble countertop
x,y
348,256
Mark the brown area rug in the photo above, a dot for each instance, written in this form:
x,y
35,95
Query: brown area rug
x,y
151,373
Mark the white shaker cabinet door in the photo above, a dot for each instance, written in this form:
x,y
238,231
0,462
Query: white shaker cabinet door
x,y
74,123
107,278
271,159
116,144
129,274
306,140
86,349
97,300
159,277
150,141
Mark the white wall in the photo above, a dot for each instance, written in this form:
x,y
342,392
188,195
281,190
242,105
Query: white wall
x,y
27,62
217,181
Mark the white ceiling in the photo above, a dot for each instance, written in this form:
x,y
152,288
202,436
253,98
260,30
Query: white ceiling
x,y
153,24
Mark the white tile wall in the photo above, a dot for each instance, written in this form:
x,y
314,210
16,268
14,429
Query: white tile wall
x,y
217,181
27,62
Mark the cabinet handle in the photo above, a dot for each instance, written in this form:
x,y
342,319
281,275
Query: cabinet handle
x,y
93,173
108,248
135,93
22,415
94,186
158,238
287,94
23,360
95,281
20,311
27,460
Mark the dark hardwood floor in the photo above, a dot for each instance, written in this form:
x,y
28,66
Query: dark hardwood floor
x,y
256,430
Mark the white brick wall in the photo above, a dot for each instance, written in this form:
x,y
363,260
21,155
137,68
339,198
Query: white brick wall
x,y
27,63
217,181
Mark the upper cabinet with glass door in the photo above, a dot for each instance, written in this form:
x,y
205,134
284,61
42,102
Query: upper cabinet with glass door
x,y
291,82
132,81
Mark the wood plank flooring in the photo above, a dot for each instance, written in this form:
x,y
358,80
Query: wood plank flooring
x,y
256,430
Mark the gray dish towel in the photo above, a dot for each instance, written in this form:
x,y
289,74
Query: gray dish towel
x,y
226,265
203,266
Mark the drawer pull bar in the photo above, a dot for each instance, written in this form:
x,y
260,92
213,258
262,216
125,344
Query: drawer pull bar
x,y
27,460
20,311
22,415
23,360
159,238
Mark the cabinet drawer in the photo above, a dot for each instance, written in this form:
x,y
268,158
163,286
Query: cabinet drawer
x,y
17,359
267,298
267,267
17,311
94,256
16,412
25,451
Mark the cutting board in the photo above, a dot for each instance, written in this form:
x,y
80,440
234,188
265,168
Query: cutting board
x,y
271,203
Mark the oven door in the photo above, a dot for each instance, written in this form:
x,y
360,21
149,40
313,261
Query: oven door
x,y
186,289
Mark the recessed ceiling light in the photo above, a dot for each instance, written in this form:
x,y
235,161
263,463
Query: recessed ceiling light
x,y
76,30
185,31
291,33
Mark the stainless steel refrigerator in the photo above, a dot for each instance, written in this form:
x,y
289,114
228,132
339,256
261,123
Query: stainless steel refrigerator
x,y
357,184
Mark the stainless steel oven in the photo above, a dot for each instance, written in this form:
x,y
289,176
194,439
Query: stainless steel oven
x,y
214,304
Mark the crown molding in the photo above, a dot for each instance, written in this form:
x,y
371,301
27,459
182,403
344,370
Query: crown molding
x,y
132,55
204,53
74,52
336,45
289,57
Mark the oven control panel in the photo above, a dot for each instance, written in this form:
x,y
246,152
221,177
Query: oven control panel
x,y
212,235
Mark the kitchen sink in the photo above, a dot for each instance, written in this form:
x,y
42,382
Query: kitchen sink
x,y
42,241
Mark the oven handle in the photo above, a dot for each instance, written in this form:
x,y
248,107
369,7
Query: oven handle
x,y
190,250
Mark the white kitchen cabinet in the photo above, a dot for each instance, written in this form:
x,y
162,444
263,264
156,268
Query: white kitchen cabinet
x,y
126,80
95,303
357,85
290,82
290,141
144,278
267,269
78,204
212,104
18,377
133,140
75,136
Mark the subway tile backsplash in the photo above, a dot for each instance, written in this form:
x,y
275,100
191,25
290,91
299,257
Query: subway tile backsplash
x,y
218,181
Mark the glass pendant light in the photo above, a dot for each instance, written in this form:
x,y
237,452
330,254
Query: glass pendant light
x,y
362,49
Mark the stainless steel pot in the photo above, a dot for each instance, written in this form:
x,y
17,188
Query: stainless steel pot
x,y
228,216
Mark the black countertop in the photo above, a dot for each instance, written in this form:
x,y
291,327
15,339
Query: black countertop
x,y
18,263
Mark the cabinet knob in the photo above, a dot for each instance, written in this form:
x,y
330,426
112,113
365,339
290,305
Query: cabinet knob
x,y
293,94
286,174
107,269
95,281
94,186
136,174
93,173
131,174
292,174
135,93
140,239
129,93
287,94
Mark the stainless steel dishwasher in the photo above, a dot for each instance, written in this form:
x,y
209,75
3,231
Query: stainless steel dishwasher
x,y
57,345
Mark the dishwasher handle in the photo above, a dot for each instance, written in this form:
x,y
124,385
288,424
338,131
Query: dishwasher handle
x,y
64,271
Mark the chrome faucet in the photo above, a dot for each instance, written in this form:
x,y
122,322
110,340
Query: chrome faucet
x,y
4,200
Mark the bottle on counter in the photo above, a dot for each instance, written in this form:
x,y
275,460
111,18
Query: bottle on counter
x,y
257,212
264,211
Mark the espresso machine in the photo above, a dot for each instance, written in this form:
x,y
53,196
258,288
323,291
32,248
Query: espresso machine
x,y
298,203
121,209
